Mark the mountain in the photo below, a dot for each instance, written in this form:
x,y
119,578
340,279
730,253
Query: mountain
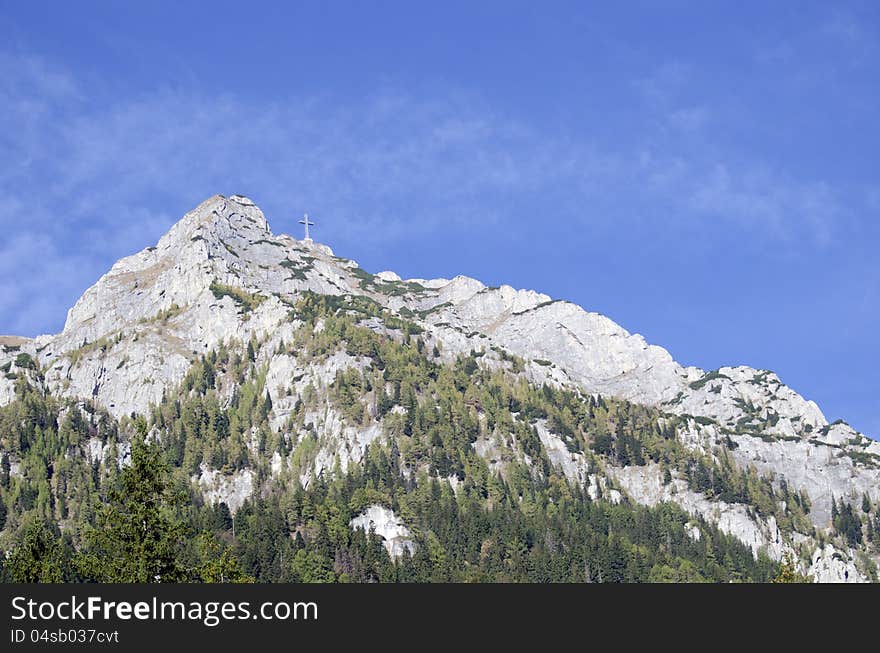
x,y
304,336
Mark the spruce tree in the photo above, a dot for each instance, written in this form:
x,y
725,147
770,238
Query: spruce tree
x,y
137,538
39,557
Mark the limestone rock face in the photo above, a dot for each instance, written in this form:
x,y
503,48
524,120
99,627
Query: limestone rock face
x,y
232,489
645,485
12,363
221,276
825,471
827,565
775,429
395,535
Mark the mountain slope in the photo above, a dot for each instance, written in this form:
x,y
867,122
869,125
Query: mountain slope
x,y
220,279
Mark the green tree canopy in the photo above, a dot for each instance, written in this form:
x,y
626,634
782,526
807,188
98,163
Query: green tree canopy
x,y
137,539
40,556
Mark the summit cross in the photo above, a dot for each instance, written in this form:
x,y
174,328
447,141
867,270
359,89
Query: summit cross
x,y
306,222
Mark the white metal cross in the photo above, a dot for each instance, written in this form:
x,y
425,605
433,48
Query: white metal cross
x,y
306,222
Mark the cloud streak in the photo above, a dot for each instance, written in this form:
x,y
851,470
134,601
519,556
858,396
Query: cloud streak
x,y
88,177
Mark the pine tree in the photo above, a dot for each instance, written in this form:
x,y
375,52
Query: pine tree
x,y
5,475
218,564
137,539
39,557
788,572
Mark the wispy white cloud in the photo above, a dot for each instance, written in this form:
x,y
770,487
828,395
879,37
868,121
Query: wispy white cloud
x,y
774,205
668,94
685,164
845,28
87,177
664,84
36,272
688,119
818,53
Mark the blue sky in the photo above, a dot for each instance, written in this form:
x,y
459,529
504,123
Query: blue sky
x,y
703,173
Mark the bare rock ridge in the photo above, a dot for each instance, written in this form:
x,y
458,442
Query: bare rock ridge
x,y
221,275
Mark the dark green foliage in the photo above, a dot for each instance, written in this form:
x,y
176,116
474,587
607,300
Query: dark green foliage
x,y
371,282
463,537
136,538
363,275
865,458
846,522
138,535
297,270
25,362
709,376
245,300
40,555
312,305
146,522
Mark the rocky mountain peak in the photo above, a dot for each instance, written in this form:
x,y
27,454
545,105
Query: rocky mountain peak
x,y
236,216
220,276
208,243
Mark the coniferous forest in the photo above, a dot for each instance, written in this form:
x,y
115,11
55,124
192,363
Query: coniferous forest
x,y
88,498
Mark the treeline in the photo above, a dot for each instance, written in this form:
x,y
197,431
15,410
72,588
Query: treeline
x,y
444,408
74,481
147,532
137,535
